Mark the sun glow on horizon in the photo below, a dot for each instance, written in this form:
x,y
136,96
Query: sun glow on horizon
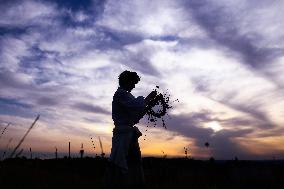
x,y
214,125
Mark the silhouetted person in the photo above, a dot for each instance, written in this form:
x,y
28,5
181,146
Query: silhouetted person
x,y
125,169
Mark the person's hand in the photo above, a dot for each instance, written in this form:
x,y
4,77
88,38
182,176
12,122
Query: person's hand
x,y
153,94
150,97
156,98
160,96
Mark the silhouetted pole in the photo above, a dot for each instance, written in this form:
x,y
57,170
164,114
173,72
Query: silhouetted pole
x,y
55,153
82,151
22,140
102,150
69,152
31,153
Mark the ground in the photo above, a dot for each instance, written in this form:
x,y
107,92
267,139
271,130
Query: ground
x,y
159,173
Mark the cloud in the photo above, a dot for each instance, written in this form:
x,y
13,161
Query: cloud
x,y
90,108
258,119
147,18
11,50
9,79
14,102
47,101
27,13
222,142
76,5
222,25
15,107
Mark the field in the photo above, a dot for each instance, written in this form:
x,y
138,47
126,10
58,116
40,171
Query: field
x,y
159,173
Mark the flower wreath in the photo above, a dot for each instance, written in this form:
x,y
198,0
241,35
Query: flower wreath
x,y
158,100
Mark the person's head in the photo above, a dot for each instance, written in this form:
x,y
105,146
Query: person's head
x,y
128,79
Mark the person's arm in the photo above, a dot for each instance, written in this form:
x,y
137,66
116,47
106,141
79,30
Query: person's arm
x,y
151,101
129,101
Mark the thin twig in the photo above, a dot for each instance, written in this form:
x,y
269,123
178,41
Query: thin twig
x,y
4,130
22,140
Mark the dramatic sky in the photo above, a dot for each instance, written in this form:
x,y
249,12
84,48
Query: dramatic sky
x,y
223,60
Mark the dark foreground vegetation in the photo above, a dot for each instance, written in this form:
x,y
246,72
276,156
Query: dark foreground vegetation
x,y
159,173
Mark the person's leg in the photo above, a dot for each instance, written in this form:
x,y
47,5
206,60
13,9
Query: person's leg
x,y
135,169
115,178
